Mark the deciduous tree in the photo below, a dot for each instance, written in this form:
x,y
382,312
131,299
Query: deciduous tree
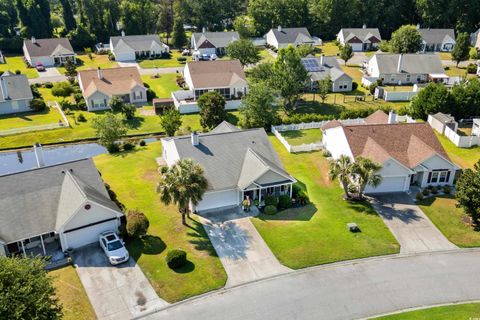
x,y
244,51
259,107
212,109
406,39
468,193
171,121
461,51
346,53
108,129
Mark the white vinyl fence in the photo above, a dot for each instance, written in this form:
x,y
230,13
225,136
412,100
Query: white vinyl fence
x,y
461,141
399,95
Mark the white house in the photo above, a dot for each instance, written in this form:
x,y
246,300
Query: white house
x,y
130,48
361,39
437,39
2,57
15,93
48,52
403,69
54,208
319,68
283,37
440,121
99,86
213,42
224,76
237,163
409,153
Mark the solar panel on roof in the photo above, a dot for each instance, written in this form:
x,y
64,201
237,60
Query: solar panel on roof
x,y
311,65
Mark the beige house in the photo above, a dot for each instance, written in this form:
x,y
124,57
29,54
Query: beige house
x,y
48,52
99,86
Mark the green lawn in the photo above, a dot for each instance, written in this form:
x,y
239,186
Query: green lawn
x,y
16,63
464,157
85,62
29,119
317,233
450,220
467,311
163,63
71,294
329,49
133,176
164,85
298,137
266,56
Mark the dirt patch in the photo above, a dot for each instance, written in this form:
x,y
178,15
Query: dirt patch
x,y
151,175
322,166
147,112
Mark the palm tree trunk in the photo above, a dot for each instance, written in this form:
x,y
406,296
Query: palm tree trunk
x,y
345,189
184,220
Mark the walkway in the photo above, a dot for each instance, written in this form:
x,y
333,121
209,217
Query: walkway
x,y
351,290
115,292
410,226
244,254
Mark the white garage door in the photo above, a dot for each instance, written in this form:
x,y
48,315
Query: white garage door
x,y
84,236
389,184
215,200
125,56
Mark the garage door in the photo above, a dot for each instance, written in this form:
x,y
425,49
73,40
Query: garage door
x,y
215,200
84,236
389,184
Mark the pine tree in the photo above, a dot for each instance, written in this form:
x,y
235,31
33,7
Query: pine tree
x,y
68,19
179,38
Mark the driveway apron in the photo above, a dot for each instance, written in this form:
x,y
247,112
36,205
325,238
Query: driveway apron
x,y
409,224
115,292
241,249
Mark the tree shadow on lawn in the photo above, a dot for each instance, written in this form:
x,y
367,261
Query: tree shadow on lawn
x,y
362,207
233,119
187,268
134,123
320,108
149,244
293,134
200,238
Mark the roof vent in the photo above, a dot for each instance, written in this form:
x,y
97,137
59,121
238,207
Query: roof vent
x,y
33,39
123,33
279,28
100,73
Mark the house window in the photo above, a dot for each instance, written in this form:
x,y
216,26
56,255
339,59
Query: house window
x,y
198,93
407,78
343,85
392,78
225,92
439,176
137,95
98,104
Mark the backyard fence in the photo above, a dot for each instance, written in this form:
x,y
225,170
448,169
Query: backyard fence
x,y
461,141
64,117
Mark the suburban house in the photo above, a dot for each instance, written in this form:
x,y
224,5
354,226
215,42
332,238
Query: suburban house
x,y
48,52
361,39
283,37
437,39
440,121
54,208
410,153
319,68
99,86
403,69
213,42
237,163
15,93
224,76
130,48
2,57
475,39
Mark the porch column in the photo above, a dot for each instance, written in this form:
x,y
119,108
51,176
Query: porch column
x,y
23,249
43,245
291,189
259,195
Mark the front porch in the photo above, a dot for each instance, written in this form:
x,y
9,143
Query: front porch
x,y
60,60
257,195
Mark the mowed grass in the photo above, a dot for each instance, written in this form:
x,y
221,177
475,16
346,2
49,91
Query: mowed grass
x,y
266,56
329,49
133,176
72,296
317,233
464,157
298,137
164,85
453,312
164,63
13,64
29,119
85,62
450,220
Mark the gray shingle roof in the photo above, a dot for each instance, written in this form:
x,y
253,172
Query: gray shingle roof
x,y
443,118
41,200
17,87
138,42
231,159
46,47
363,34
330,67
411,63
436,35
290,35
218,39
223,127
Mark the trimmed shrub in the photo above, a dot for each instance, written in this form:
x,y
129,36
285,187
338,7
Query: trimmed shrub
x,y
302,198
434,190
127,146
18,72
270,210
142,143
447,190
48,85
271,201
354,86
137,224
326,154
419,196
81,118
176,258
426,192
113,148
181,59
151,94
472,68
38,105
284,202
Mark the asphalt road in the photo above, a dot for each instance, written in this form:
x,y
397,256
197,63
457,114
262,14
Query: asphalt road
x,y
350,290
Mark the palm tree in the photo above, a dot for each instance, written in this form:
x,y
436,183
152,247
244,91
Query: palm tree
x,y
182,184
366,172
341,168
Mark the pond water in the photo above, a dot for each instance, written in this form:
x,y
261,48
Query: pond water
x,y
22,160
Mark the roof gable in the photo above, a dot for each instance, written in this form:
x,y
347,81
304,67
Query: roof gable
x,y
115,81
215,39
47,47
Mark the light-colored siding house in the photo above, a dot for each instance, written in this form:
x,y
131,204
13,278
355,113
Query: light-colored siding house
x,y
437,39
283,37
51,209
2,57
440,121
475,39
237,163
224,76
130,48
15,93
403,69
361,39
213,42
320,68
48,52
99,86
409,153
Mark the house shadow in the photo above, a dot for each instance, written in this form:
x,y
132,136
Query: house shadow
x,y
149,245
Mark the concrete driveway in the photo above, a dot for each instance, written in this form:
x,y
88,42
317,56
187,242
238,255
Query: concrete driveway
x,y
116,292
49,72
409,224
244,254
